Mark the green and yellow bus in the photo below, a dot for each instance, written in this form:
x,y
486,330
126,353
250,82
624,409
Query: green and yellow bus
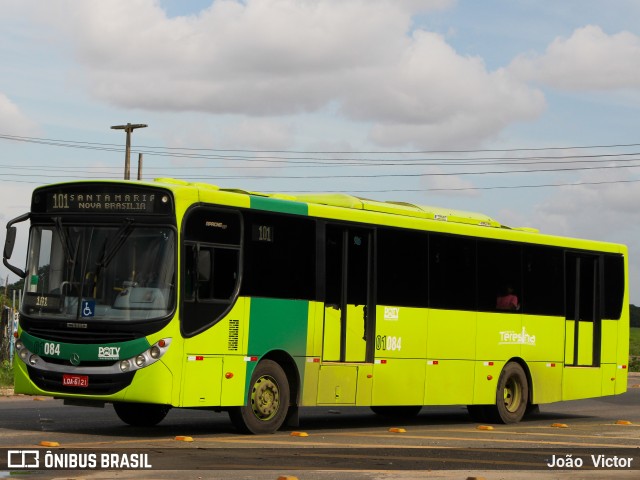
x,y
152,295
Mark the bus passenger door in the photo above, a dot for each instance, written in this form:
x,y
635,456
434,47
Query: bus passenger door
x,y
583,319
349,313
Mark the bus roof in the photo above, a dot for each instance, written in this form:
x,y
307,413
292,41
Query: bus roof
x,y
344,200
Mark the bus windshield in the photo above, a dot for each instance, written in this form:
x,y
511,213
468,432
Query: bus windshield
x,y
92,273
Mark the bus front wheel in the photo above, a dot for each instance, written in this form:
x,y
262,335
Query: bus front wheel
x,y
267,402
512,395
141,414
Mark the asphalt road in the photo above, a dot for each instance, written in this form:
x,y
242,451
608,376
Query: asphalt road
x,y
337,443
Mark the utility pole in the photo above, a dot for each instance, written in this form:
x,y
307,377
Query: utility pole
x,y
128,128
139,166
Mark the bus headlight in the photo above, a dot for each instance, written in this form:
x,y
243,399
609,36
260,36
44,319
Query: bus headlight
x,y
125,365
146,358
33,359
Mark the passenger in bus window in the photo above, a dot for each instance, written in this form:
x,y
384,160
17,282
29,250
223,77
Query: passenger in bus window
x,y
507,300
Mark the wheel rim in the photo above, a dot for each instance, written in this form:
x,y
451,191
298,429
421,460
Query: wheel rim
x,y
265,398
512,395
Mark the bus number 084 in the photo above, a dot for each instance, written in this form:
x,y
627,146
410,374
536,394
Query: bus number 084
x,y
51,348
388,342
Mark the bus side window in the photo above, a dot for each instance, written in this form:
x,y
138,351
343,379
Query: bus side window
x,y
190,280
204,274
217,273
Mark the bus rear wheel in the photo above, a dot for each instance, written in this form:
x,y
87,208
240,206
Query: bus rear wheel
x,y
267,402
512,395
141,414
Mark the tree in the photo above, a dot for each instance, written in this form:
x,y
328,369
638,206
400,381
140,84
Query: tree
x,y
634,316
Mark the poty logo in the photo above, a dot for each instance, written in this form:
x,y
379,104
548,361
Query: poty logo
x,y
109,352
391,313
23,459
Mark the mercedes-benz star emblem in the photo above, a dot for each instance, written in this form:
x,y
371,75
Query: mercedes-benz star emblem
x,y
75,359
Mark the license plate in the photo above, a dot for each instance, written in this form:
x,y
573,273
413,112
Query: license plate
x,y
75,381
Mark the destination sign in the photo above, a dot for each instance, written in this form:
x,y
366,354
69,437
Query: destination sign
x,y
101,198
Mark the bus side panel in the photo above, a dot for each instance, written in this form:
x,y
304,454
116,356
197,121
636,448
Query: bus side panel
x,y
610,341
202,381
543,351
546,380
608,356
451,349
449,382
500,336
486,376
609,379
401,332
399,382
622,351
225,343
337,384
232,389
310,375
543,339
451,335
401,349
277,324
581,382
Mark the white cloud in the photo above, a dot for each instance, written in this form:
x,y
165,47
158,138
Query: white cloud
x,y
588,60
285,57
12,120
598,210
261,133
434,96
447,184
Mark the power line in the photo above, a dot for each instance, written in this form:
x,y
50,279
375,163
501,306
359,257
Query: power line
x,y
382,175
619,160
498,187
388,152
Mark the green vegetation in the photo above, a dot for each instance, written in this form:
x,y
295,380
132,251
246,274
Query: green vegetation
x,y
6,374
634,316
634,350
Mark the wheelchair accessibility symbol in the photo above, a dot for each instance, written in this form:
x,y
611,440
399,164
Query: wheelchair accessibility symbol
x,y
88,308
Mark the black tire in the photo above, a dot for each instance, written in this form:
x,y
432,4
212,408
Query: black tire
x,y
512,395
267,402
141,414
397,411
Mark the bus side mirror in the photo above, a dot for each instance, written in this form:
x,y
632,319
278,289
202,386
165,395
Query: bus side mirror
x,y
9,242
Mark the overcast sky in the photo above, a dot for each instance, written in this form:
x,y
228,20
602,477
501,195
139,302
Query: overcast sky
x,y
483,106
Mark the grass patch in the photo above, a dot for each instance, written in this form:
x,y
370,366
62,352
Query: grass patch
x,y
634,350
6,374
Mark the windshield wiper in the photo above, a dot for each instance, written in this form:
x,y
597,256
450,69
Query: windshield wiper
x,y
67,246
112,247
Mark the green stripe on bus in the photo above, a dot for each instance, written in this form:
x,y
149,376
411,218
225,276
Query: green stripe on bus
x,y
278,325
86,352
278,205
